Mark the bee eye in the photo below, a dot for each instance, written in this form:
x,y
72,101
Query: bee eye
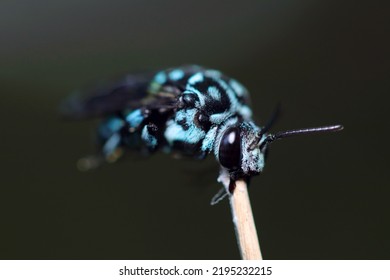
x,y
230,149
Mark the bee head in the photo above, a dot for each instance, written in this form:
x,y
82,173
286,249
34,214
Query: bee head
x,y
237,151
242,148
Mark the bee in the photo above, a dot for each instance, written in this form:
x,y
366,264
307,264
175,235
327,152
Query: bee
x,y
188,110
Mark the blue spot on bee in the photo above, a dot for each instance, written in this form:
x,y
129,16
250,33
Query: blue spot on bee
x,y
220,117
214,93
208,142
135,118
213,73
160,77
197,78
238,88
176,74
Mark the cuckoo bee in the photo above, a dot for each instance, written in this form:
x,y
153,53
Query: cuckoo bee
x,y
189,110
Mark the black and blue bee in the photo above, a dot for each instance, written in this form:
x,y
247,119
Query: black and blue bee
x,y
190,110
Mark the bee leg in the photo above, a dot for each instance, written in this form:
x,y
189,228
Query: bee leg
x,y
220,195
110,137
111,149
224,178
110,152
148,135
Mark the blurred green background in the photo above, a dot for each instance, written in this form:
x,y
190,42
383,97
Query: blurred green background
x,y
320,197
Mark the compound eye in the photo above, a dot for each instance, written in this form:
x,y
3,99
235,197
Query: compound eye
x,y
230,149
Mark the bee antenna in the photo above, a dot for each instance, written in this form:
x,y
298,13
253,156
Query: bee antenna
x,y
283,134
270,122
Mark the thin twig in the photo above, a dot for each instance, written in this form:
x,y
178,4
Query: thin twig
x,y
244,223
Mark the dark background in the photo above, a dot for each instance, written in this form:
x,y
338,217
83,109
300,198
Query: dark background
x,y
320,197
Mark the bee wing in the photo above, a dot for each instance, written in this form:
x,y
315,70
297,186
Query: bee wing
x,y
129,93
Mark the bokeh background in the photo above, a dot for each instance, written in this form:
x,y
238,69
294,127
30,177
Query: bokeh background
x,y
320,197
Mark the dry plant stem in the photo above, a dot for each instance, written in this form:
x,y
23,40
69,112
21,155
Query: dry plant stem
x,y
244,223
